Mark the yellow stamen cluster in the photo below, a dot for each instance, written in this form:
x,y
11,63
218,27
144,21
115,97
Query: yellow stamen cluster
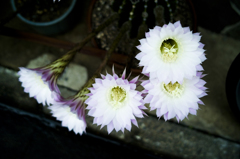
x,y
169,50
174,90
117,96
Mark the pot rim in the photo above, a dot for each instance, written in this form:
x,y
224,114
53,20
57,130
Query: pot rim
x,y
44,23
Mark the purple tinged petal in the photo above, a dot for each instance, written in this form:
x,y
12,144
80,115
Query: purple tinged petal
x,y
91,112
186,29
147,74
201,45
149,86
142,41
148,98
142,107
109,77
202,95
26,90
113,70
201,82
57,97
158,112
171,114
164,109
134,80
177,118
194,106
116,124
128,127
147,34
201,102
133,86
177,24
103,77
89,94
153,108
166,116
192,111
94,120
158,28
144,92
144,113
110,127
199,74
198,34
99,120
138,47
102,126
134,121
145,82
203,75
140,55
115,76
124,74
88,100
199,68
108,118
91,89
98,80
47,75
129,76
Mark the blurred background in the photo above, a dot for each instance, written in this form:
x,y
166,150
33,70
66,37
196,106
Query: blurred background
x,y
27,129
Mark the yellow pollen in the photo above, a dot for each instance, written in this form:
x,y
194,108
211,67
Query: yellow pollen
x,y
117,96
169,50
40,81
174,90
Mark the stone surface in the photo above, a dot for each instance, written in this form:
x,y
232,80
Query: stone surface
x,y
29,137
164,139
216,117
232,31
41,60
173,140
73,77
215,132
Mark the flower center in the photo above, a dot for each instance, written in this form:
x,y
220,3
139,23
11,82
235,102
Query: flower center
x,y
169,49
117,96
174,90
40,81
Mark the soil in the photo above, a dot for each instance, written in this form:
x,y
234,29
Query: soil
x,y
42,10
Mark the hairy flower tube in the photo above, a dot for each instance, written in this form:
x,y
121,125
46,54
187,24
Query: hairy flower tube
x,y
175,99
114,102
41,82
171,53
